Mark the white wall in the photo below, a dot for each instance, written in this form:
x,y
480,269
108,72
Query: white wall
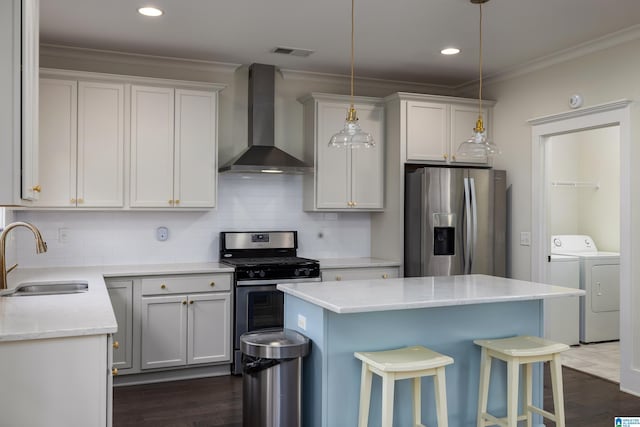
x,y
251,202
591,156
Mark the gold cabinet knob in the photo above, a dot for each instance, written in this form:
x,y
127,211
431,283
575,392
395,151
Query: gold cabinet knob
x,y
212,284
184,302
354,204
81,200
177,202
191,302
349,203
338,277
171,202
453,157
385,276
114,371
116,345
73,201
36,188
445,156
163,286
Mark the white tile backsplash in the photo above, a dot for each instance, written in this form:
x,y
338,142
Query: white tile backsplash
x,y
245,202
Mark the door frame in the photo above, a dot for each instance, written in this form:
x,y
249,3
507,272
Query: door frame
x,y
598,116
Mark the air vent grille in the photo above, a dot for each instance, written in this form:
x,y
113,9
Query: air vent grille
x,y
292,51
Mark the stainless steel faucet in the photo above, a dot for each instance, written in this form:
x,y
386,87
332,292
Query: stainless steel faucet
x,y
41,246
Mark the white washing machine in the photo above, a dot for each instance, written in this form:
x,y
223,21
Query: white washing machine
x,y
562,315
600,278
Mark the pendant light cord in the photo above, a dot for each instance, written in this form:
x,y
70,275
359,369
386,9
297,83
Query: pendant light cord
x,y
480,66
353,7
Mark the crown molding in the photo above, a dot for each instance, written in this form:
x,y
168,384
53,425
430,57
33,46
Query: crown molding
x,y
79,53
601,43
312,76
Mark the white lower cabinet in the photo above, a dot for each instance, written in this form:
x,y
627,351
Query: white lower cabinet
x,y
360,273
121,295
182,330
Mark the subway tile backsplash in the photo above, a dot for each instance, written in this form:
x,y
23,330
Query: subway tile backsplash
x,y
245,202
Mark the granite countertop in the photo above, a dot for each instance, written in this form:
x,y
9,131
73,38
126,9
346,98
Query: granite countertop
x,y
359,296
328,263
88,313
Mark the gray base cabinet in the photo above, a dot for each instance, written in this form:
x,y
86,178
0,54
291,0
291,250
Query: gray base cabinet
x,y
121,294
359,273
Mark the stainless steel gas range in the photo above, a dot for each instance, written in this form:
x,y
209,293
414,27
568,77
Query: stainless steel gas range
x,y
262,259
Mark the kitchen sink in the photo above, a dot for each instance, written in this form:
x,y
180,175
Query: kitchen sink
x,y
47,288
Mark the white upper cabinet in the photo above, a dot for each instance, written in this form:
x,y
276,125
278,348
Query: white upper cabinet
x,y
81,144
430,128
343,179
173,147
19,47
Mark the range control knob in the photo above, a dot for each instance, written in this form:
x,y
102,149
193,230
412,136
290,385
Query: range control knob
x,y
251,274
296,272
262,273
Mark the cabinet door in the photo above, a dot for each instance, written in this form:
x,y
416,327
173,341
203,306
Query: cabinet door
x,y
427,131
332,164
463,121
121,295
58,143
100,145
367,165
164,331
152,146
195,164
209,335
30,67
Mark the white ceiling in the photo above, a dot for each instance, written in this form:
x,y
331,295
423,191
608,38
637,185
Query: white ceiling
x,y
395,40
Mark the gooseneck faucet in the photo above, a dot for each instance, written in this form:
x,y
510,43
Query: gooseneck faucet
x,y
41,246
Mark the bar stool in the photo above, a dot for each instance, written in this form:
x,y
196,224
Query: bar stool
x,y
516,351
399,364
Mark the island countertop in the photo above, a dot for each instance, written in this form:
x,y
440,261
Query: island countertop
x,y
359,296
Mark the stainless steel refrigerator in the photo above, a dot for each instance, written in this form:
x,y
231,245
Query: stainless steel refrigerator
x,y
455,221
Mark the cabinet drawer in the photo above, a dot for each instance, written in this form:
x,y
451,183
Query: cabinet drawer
x,y
359,273
186,284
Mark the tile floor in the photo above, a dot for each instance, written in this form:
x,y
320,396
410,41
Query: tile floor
x,y
601,360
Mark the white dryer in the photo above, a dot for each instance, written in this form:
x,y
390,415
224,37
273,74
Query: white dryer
x,y
600,278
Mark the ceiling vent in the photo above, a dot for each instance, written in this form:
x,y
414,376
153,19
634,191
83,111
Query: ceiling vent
x,y
292,51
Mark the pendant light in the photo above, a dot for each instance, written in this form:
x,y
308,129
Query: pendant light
x,y
351,135
478,146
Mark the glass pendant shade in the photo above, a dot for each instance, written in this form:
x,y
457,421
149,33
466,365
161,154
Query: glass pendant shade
x,y
351,135
478,146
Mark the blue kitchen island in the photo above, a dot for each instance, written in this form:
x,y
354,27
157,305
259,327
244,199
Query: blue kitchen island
x,y
442,313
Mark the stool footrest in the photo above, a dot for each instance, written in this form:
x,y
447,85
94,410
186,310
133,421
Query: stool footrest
x,y
500,421
540,411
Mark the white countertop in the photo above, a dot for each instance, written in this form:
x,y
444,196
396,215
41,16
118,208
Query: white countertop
x,y
89,313
328,263
359,296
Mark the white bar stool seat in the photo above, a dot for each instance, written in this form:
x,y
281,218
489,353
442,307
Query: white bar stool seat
x,y
516,351
399,364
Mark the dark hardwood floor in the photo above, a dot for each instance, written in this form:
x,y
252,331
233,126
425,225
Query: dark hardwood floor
x,y
209,402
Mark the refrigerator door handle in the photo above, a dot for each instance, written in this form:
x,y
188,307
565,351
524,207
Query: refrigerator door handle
x,y
467,214
474,210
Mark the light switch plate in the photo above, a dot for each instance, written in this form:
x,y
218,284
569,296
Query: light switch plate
x,y
302,322
525,238
162,234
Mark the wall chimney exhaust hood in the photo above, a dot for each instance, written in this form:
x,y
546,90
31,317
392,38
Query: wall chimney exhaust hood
x,y
262,154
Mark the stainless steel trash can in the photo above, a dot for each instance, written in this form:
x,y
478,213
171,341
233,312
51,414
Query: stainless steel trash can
x,y
272,377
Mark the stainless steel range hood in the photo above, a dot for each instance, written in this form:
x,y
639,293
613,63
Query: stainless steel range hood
x,y
262,154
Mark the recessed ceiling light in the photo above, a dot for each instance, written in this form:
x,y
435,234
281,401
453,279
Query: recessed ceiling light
x,y
450,51
150,11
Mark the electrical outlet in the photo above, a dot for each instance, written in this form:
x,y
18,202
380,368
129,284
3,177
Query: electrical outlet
x,y
525,238
302,322
162,234
63,235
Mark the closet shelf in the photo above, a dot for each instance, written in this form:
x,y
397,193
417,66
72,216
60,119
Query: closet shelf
x,y
576,184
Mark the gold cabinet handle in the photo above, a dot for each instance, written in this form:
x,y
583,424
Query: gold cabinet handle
x,y
453,157
338,277
163,286
385,276
212,284
36,188
349,203
445,156
184,302
114,371
80,200
191,302
354,204
177,202
116,345
171,202
73,201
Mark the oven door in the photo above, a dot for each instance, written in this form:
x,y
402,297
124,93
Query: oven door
x,y
256,307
